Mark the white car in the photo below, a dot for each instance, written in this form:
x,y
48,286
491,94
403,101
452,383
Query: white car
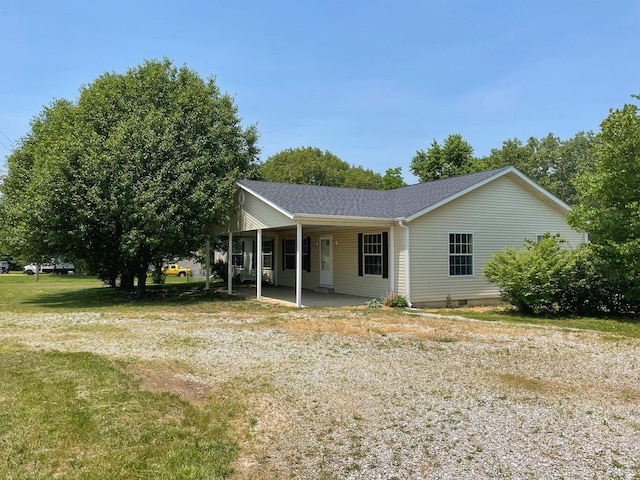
x,y
57,268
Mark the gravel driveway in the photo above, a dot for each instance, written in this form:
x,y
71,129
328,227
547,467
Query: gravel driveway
x,y
343,393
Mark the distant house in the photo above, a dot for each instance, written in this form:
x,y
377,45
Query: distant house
x,y
428,242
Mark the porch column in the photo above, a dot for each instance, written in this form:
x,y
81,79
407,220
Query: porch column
x,y
299,266
230,265
259,264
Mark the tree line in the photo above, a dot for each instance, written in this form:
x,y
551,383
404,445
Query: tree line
x,y
552,163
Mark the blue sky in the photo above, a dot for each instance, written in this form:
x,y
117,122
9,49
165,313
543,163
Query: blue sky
x,y
370,81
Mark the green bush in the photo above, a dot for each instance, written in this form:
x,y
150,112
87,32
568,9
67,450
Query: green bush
x,y
395,300
603,281
374,303
593,279
536,277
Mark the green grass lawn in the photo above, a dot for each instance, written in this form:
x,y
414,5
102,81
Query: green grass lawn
x,y
21,293
76,415
619,326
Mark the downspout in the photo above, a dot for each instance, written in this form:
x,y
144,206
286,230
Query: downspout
x,y
407,261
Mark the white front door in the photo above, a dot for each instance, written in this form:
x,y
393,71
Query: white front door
x,y
326,261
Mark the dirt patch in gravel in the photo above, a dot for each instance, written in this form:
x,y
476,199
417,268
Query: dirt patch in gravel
x,y
162,376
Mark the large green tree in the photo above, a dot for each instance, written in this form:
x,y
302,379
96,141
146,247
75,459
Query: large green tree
x,y
608,206
138,169
454,157
312,166
549,161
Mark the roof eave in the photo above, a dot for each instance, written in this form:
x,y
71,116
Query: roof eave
x,y
322,219
265,200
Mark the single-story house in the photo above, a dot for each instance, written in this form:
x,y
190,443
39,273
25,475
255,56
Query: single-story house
x,y
427,242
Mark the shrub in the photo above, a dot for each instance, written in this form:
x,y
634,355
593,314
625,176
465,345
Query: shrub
x,y
395,300
374,303
603,281
544,277
536,277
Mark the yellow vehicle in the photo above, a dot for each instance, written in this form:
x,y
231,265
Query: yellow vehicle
x,y
175,269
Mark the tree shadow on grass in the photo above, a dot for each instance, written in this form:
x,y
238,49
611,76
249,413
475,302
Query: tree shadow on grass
x,y
156,295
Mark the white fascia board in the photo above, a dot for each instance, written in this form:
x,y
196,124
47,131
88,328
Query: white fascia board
x,y
265,200
318,219
506,171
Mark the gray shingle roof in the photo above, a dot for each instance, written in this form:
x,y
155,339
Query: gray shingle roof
x,y
351,202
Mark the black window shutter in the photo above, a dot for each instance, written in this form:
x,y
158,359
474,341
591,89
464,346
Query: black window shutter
x,y
385,254
284,259
253,257
360,260
308,254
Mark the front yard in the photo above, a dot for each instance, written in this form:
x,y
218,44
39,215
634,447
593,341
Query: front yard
x,y
194,385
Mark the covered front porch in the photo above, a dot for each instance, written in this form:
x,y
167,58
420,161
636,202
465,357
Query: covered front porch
x,y
314,264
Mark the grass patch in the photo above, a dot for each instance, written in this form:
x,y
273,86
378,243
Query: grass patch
x,y
618,326
73,293
75,415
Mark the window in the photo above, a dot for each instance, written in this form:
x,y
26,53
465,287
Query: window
x,y
267,254
237,256
460,254
372,253
289,254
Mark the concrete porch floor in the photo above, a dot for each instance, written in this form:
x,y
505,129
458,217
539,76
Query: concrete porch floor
x,y
287,296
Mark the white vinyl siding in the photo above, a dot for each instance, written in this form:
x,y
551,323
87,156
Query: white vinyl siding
x,y
400,256
254,214
500,215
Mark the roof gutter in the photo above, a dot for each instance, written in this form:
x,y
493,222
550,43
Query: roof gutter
x,y
407,260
